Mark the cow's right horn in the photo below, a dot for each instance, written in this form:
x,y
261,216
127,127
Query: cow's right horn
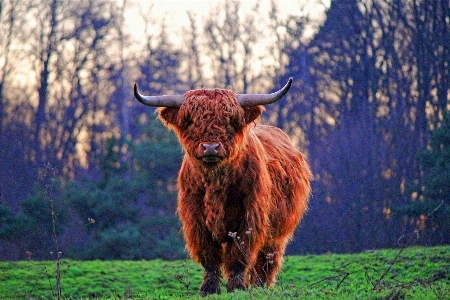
x,y
261,99
160,101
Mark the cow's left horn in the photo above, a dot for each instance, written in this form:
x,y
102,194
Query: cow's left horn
x,y
262,99
161,101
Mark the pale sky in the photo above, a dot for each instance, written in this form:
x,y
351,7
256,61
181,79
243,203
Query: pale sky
x,y
175,10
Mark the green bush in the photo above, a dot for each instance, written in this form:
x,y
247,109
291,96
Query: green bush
x,y
432,196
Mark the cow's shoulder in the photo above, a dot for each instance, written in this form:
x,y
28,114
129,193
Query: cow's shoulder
x,y
271,136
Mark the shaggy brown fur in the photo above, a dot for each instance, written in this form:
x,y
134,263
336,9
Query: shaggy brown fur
x,y
256,187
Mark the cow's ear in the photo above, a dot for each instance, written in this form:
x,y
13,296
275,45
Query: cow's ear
x,y
251,113
169,115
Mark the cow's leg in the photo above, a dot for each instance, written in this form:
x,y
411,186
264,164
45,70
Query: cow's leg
x,y
208,253
211,280
268,265
238,260
260,270
235,265
210,257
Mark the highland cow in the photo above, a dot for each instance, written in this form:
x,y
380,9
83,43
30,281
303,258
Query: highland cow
x,y
243,187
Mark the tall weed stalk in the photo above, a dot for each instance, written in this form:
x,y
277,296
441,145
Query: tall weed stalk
x,y
47,177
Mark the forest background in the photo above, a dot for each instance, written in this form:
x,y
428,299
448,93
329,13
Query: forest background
x,y
369,107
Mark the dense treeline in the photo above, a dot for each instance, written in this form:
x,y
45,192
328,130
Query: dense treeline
x,y
373,81
369,106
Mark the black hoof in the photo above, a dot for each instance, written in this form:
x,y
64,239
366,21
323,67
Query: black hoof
x,y
236,283
210,285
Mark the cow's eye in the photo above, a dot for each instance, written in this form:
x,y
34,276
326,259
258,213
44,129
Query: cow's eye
x,y
187,123
235,123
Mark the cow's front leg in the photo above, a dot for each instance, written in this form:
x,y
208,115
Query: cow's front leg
x,y
235,265
239,257
211,281
208,253
199,240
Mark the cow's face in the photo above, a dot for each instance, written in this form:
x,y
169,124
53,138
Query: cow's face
x,y
211,125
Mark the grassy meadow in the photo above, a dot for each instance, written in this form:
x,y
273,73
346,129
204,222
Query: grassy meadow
x,y
410,273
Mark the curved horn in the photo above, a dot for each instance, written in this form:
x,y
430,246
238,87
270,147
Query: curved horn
x,y
161,101
262,99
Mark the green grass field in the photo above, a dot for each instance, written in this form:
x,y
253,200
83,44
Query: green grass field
x,y
414,273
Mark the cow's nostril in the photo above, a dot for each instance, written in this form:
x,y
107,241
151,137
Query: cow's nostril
x,y
210,149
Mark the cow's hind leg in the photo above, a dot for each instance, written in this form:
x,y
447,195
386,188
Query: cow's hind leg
x,y
260,270
268,265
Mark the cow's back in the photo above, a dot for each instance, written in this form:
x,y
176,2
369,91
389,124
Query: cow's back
x,y
290,175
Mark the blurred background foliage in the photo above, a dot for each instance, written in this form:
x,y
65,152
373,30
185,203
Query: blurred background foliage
x,y
369,107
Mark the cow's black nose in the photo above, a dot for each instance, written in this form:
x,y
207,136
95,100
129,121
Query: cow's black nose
x,y
210,149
